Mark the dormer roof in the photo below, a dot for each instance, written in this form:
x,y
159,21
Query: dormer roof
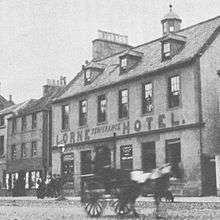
x,y
132,52
174,36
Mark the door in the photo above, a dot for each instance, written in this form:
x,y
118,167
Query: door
x,y
102,157
148,156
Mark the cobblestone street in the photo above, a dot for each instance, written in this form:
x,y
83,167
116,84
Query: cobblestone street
x,y
70,209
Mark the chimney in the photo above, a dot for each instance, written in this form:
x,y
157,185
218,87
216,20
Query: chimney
x,y
108,44
53,84
10,98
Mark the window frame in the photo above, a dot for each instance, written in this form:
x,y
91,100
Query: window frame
x,y
23,123
34,120
23,151
65,117
129,161
101,116
14,125
33,152
166,54
144,99
120,105
169,91
83,115
13,152
123,60
2,120
2,145
87,80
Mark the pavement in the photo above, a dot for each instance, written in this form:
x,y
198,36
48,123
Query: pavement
x,y
205,199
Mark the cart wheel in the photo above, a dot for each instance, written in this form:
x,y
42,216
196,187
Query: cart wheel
x,y
94,208
120,210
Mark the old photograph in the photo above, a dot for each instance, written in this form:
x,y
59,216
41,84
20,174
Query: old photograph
x,y
109,109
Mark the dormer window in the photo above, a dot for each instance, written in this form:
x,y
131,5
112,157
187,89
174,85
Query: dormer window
x,y
166,50
124,64
171,28
88,76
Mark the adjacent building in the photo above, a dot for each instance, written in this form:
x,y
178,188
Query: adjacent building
x,y
140,107
29,140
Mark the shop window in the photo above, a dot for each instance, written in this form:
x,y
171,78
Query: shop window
x,y
34,120
148,156
166,50
82,112
174,91
101,108
65,116
123,103
102,158
173,156
34,176
126,157
23,123
86,162
2,145
13,152
68,167
2,120
14,125
147,98
23,150
14,177
33,149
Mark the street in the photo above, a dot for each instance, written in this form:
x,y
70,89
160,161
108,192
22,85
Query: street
x,y
69,209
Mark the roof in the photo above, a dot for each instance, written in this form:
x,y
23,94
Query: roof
x,y
44,103
171,15
196,36
14,108
4,102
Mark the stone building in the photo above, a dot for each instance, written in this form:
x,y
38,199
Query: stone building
x,y
140,107
29,140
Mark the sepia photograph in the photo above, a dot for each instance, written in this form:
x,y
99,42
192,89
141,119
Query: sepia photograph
x,y
109,109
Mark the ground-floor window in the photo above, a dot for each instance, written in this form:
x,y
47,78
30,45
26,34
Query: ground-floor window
x,y
29,179
126,157
86,162
173,156
148,156
68,167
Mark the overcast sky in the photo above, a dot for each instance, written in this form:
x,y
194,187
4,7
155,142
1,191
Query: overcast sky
x,y
41,39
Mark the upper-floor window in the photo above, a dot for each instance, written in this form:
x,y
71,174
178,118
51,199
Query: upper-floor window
x,y
174,91
123,103
33,149
101,108
23,123
34,120
14,125
2,120
166,50
124,63
165,27
65,116
147,101
13,152
23,150
82,112
2,145
87,76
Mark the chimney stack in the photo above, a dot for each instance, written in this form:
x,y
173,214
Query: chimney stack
x,y
108,44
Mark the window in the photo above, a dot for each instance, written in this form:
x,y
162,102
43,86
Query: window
x,y
68,167
13,152
65,116
173,156
1,145
174,91
14,125
23,150
82,112
126,157
86,162
23,123
101,108
148,156
34,149
2,121
14,177
166,50
165,27
147,98
124,63
33,178
123,103
34,121
88,76
171,28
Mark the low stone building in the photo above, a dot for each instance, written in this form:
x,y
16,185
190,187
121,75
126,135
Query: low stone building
x,y
140,107
29,141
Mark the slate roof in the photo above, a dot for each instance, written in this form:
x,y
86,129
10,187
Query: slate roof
x,y
44,103
4,103
196,37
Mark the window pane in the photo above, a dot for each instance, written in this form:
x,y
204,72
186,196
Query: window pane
x,y
124,62
34,120
166,47
126,157
65,116
147,99
34,149
174,91
2,120
101,108
82,112
123,103
13,152
2,145
23,150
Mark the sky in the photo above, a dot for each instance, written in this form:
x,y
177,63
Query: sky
x,y
44,39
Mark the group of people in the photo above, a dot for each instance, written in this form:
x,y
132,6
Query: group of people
x,y
51,187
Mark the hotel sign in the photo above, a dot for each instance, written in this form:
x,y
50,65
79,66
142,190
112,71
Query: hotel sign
x,y
120,128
